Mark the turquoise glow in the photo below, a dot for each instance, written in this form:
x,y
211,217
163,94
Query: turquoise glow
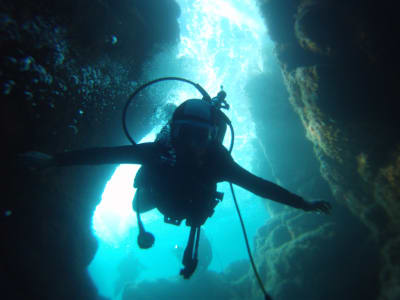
x,y
221,44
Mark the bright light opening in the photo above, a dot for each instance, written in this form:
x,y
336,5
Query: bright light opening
x,y
221,44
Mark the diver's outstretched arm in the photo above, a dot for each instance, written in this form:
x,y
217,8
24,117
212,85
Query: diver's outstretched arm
x,y
266,189
35,161
138,154
103,155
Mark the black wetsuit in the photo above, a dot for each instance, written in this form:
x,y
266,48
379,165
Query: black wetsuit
x,y
183,184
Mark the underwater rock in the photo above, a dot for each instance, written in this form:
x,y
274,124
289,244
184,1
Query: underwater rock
x,y
236,270
338,64
320,26
63,87
129,270
209,285
279,131
314,264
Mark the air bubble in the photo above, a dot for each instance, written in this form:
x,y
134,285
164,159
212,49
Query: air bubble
x,y
76,79
74,128
28,95
8,87
25,64
114,40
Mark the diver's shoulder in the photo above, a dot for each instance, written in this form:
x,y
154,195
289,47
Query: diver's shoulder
x,y
221,154
221,148
148,146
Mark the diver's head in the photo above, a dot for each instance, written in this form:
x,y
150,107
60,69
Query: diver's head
x,y
193,128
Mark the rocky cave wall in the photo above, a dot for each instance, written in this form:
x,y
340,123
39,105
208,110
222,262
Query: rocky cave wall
x,y
67,68
339,65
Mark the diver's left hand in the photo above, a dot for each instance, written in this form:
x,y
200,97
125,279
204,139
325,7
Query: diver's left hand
x,y
35,161
319,207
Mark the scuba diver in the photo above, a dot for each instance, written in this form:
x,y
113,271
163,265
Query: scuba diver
x,y
180,171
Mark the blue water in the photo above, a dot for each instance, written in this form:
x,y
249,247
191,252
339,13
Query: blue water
x,y
221,43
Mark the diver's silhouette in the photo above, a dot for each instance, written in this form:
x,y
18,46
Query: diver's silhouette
x,y
180,172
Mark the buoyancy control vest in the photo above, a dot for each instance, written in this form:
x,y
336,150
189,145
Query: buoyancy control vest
x,y
193,122
199,124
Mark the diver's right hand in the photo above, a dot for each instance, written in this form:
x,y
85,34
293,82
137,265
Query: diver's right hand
x,y
319,207
34,160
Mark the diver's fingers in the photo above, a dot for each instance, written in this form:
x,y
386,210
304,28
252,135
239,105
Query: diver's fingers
x,y
322,207
34,160
326,211
326,207
34,155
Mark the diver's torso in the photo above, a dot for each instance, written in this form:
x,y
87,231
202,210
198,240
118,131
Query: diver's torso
x,y
181,189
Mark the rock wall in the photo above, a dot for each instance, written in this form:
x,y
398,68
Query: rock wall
x,y
67,68
339,63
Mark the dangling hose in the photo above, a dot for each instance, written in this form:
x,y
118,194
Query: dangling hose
x,y
206,96
260,283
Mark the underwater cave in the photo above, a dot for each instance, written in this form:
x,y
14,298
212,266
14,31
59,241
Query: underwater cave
x,y
312,89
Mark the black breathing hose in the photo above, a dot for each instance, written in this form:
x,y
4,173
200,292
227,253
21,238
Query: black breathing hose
x,y
260,283
253,265
206,97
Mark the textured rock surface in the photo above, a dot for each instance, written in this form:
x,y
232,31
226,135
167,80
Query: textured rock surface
x,y
286,155
304,256
206,285
67,67
339,65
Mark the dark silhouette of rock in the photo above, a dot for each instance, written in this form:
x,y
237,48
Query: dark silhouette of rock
x,y
208,285
339,63
67,67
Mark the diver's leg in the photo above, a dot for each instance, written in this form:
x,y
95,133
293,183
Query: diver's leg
x,y
146,200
